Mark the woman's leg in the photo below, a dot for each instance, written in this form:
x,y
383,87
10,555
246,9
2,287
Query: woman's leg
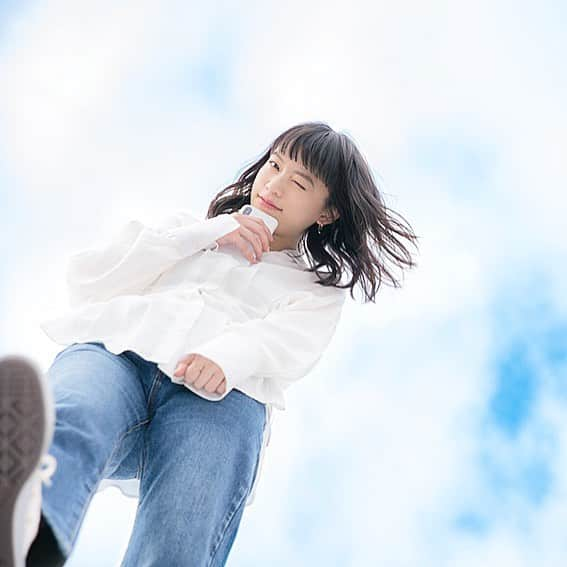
x,y
200,461
101,410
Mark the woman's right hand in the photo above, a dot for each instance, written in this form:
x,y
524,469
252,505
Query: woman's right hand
x,y
253,231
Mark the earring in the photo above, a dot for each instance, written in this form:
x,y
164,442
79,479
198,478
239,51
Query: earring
x,y
320,228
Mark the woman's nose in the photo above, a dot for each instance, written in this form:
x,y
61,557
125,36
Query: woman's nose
x,y
273,188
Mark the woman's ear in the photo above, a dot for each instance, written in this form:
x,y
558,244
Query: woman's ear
x,y
329,215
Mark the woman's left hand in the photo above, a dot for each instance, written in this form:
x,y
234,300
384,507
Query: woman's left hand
x,y
202,372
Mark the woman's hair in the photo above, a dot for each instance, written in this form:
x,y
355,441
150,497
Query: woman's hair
x,y
346,243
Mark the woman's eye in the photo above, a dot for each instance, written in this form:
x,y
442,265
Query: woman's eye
x,y
272,161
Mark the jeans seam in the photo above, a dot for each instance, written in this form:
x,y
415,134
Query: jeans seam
x,y
118,443
154,387
157,381
245,496
226,528
132,428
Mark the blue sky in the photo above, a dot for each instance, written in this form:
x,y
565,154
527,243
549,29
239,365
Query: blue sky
x,y
433,432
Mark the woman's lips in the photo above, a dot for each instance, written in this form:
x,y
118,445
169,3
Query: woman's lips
x,y
268,205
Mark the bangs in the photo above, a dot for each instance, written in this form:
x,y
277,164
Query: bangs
x,y
319,152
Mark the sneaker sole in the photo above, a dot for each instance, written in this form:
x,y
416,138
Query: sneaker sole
x,y
26,429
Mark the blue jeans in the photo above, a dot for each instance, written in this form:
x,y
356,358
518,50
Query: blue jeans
x,y
119,416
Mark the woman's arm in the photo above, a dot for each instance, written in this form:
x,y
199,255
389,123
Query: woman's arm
x,y
138,254
285,345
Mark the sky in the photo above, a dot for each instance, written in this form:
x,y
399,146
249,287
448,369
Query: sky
x,y
433,431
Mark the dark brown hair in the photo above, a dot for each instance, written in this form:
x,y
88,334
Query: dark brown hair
x,y
346,243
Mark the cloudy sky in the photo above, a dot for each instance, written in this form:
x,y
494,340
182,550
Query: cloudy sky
x,y
433,432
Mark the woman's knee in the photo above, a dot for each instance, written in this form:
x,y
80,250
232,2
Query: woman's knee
x,y
204,456
95,392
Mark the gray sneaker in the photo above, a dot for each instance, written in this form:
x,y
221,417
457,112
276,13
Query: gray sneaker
x,y
27,421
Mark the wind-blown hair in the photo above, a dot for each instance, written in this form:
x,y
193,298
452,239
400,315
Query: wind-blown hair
x,y
347,244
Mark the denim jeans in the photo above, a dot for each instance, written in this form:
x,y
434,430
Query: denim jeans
x,y
119,416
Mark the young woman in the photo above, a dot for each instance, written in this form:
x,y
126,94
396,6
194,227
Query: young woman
x,y
180,340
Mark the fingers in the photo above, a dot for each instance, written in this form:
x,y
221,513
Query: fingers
x,y
249,237
257,227
245,220
180,369
192,372
201,374
204,376
252,232
209,380
263,231
214,382
184,360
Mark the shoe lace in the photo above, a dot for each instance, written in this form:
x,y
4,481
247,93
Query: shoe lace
x,y
48,465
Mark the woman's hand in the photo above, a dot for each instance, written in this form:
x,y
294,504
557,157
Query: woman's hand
x,y
253,231
202,372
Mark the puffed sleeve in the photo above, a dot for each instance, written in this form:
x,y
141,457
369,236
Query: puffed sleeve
x,y
285,345
137,254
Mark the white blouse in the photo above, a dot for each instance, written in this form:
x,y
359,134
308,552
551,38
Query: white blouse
x,y
170,290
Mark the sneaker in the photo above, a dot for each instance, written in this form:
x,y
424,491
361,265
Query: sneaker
x,y
27,421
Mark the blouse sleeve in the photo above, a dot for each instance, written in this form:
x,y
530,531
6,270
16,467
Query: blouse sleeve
x,y
285,345
137,254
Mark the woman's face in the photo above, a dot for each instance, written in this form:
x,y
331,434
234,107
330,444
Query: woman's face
x,y
297,193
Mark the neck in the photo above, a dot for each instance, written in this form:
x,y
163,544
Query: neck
x,y
278,246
